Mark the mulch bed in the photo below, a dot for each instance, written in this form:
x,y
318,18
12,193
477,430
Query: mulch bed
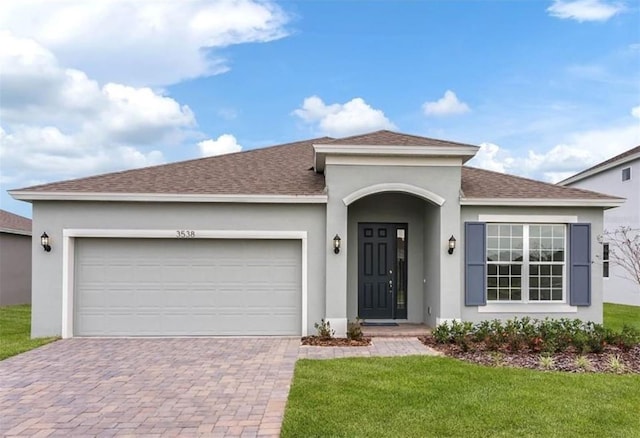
x,y
335,342
565,361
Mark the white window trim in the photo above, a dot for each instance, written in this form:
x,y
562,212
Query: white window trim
x,y
530,307
68,258
527,305
607,260
528,219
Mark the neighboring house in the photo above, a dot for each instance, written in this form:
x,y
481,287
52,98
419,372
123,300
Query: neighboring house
x,y
272,240
618,176
15,259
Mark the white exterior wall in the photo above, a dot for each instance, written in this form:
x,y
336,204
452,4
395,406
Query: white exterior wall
x,y
54,217
618,288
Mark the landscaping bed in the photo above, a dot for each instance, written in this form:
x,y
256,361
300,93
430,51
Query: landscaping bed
x,y
548,345
335,342
611,360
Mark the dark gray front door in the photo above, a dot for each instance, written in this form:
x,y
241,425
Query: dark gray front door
x,y
382,271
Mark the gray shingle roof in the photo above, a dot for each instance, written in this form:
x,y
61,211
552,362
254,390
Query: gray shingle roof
x,y
288,170
485,184
13,222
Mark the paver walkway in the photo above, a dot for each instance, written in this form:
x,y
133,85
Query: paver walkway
x,y
160,387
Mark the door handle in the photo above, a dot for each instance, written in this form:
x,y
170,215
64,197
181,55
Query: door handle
x,y
390,285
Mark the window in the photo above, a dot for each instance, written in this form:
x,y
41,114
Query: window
x,y
626,174
605,260
525,262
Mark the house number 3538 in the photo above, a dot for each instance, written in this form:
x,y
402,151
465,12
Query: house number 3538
x,y
185,234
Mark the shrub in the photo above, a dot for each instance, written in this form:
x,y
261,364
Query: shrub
x,y
324,329
615,364
628,338
583,363
546,361
481,331
442,333
460,333
496,336
354,330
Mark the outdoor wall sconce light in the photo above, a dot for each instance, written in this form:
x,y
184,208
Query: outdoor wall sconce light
x,y
336,244
44,241
452,244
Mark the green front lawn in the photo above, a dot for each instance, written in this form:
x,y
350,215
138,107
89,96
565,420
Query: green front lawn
x,y
443,397
15,331
617,315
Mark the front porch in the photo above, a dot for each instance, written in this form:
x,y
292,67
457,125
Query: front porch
x,y
400,330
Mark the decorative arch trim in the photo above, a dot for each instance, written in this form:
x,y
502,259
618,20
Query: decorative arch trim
x,y
393,187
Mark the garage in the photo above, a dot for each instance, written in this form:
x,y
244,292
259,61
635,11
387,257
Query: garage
x,y
186,287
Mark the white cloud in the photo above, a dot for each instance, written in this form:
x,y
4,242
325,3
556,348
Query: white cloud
x,y
446,105
579,151
143,42
340,120
584,10
224,144
491,157
59,123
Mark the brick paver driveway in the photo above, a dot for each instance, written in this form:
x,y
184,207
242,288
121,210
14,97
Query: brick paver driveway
x,y
153,387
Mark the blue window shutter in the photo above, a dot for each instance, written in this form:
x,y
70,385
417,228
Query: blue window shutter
x,y
580,264
475,261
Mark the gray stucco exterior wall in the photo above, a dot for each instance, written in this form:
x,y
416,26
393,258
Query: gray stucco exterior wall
x,y
343,180
53,217
588,215
15,269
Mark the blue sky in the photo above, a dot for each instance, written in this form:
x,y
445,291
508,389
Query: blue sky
x,y
547,88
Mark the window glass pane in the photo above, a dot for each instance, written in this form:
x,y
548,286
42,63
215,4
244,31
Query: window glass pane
x,y
533,270
558,256
556,294
492,256
545,270
516,230
556,281
492,294
516,270
545,294
503,282
533,294
516,294
516,256
492,230
503,269
605,269
492,281
556,269
545,282
505,230
503,294
516,282
534,231
492,243
533,282
492,269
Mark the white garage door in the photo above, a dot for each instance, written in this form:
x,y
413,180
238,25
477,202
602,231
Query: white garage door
x,y
173,287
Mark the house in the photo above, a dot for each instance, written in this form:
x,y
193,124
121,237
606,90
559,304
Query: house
x,y
15,259
384,226
619,176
